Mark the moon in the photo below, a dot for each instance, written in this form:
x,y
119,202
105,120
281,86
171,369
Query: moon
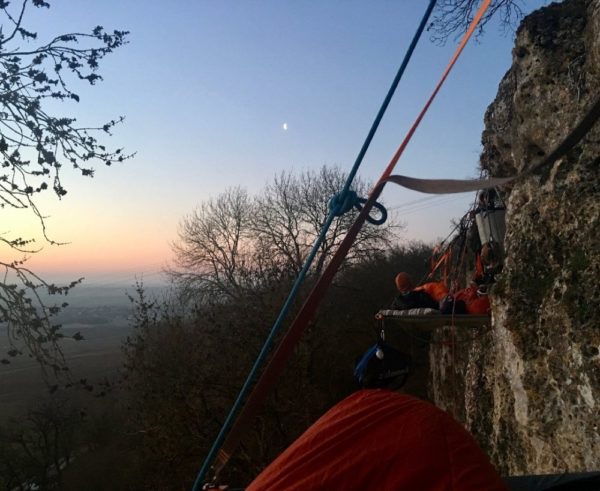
x,y
284,126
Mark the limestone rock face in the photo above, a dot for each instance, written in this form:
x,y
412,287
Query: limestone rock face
x,y
531,383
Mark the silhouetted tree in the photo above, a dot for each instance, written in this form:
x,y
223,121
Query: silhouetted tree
x,y
185,366
290,212
36,448
452,17
181,370
35,146
235,245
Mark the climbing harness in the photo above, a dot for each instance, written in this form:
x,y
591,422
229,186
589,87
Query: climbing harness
x,y
443,262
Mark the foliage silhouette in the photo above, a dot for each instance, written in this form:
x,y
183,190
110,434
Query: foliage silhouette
x,y
235,245
35,146
452,17
190,354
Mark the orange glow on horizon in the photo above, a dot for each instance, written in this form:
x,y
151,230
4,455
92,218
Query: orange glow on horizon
x,y
78,259
98,242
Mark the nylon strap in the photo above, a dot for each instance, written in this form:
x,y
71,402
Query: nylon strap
x,y
448,186
287,344
574,137
445,260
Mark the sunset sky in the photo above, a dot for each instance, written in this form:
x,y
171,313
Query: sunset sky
x,y
206,88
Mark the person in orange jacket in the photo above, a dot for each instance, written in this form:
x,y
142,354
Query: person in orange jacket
x,y
410,297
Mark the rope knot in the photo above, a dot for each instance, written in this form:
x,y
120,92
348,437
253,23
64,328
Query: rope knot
x,y
341,203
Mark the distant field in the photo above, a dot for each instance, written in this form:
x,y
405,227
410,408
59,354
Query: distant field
x,y
102,317
86,295
99,355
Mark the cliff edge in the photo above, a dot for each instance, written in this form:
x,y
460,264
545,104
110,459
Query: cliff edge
x,y
531,383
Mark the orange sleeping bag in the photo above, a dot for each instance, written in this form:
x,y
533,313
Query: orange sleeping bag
x,y
475,303
382,440
436,290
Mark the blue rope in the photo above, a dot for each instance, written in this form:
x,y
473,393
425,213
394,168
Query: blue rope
x,y
340,202
382,211
361,366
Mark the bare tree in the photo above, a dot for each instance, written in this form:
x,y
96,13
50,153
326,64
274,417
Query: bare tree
x,y
36,449
215,250
181,370
233,245
452,17
35,147
315,190
278,223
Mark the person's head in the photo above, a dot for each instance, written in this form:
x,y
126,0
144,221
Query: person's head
x,y
404,282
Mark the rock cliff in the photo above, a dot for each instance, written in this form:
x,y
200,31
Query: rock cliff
x,y
528,388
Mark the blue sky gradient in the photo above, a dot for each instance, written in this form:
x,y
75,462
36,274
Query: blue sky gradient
x,y
206,87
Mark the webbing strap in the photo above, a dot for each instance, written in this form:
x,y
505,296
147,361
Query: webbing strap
x,y
445,260
449,186
571,139
287,344
484,6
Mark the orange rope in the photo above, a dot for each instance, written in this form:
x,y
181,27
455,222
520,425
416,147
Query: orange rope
x,y
306,313
388,171
445,260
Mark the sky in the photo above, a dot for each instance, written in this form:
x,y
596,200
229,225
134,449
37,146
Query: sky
x,y
206,88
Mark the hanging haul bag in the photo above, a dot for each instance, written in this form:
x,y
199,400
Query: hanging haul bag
x,y
382,367
491,225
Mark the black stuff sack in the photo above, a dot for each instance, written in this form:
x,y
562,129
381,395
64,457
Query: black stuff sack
x,y
450,306
414,300
382,367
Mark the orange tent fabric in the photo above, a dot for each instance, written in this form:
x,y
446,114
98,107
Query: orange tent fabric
x,y
382,440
